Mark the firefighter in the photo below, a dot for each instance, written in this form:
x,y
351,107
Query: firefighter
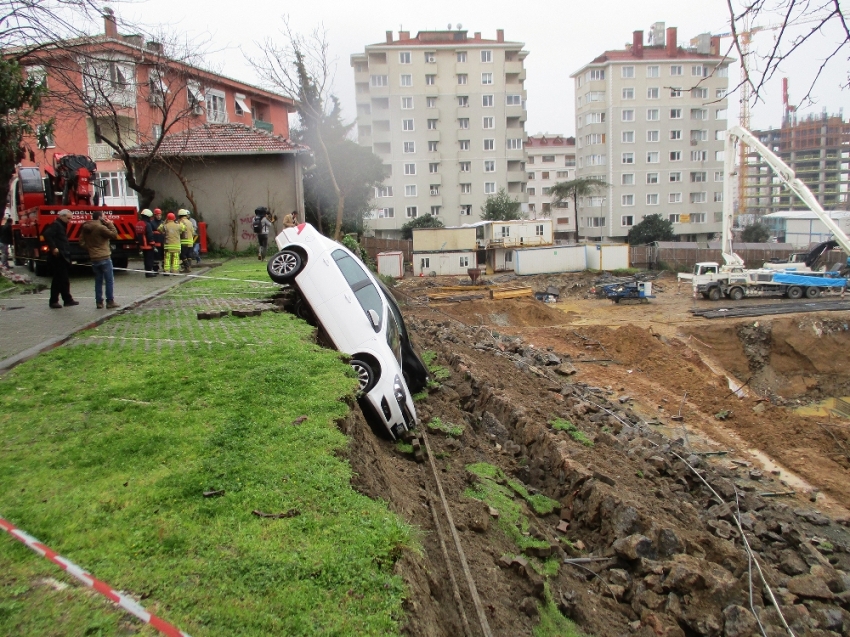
x,y
171,231
59,257
156,225
187,239
144,235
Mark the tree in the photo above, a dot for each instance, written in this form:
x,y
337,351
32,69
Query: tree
x,y
345,171
755,233
652,228
425,221
581,187
501,207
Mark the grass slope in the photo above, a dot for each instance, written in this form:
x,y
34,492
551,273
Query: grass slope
x,y
106,448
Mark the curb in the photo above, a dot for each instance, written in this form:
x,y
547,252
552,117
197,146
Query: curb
x,y
32,352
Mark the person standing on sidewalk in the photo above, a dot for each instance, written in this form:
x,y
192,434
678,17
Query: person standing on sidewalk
x,y
187,239
144,235
266,228
156,226
5,239
196,248
59,258
171,231
95,236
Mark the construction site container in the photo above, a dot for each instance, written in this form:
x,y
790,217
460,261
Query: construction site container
x,y
443,239
550,259
607,256
443,263
391,264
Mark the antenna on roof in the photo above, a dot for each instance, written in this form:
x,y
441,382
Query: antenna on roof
x,y
459,26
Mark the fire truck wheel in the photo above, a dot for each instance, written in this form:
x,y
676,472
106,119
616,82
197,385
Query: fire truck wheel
x,y
42,268
31,265
120,262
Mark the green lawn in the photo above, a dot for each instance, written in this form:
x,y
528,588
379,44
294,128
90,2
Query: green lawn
x,y
107,445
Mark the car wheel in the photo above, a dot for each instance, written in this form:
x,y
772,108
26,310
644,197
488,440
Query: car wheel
x,y
795,292
365,375
812,292
714,294
736,294
303,311
284,266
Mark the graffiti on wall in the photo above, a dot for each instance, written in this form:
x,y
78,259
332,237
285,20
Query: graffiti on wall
x,y
246,228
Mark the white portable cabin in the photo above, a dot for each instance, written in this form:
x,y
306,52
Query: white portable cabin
x,y
501,238
391,264
607,256
802,228
549,259
444,251
443,263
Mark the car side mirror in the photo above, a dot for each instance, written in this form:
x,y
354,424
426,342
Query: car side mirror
x,y
374,318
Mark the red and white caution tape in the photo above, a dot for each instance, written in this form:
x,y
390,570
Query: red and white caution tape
x,y
123,601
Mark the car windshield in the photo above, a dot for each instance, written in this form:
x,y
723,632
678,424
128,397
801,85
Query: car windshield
x,y
393,338
361,284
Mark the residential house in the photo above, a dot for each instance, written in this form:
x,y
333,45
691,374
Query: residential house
x,y
551,159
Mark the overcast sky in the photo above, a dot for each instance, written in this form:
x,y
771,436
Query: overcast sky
x,y
560,37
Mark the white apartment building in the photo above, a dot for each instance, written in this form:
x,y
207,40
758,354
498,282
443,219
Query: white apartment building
x,y
446,114
650,121
551,159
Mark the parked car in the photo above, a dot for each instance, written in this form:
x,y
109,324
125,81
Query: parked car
x,y
353,311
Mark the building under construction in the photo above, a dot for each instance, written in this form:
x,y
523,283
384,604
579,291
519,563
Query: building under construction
x,y
817,148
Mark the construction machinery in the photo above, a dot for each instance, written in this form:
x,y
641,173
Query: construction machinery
x,y
631,293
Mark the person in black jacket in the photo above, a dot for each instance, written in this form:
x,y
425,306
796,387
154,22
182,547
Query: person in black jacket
x,y
59,257
5,240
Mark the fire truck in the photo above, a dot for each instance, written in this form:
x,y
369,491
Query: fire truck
x,y
36,200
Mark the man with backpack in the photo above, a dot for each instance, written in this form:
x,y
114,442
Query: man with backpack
x,y
262,226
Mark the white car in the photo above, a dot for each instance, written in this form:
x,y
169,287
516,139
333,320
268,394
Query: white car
x,y
350,306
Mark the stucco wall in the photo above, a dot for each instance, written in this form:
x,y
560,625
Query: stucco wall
x,y
228,189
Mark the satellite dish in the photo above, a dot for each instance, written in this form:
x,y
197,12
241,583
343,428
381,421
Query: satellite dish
x,y
459,25
450,26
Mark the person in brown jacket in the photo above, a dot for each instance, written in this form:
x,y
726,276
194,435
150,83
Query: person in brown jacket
x,y
95,236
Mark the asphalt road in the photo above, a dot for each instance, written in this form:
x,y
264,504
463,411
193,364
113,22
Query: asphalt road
x,y
28,325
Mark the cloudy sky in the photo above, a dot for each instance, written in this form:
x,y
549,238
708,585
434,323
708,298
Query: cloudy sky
x,y
560,36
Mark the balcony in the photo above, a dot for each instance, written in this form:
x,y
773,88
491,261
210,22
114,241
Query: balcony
x,y
266,126
513,67
100,152
432,135
517,176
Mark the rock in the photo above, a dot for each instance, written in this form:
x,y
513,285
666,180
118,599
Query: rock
x,y
480,521
623,399
551,359
448,394
603,478
619,577
738,622
791,563
812,517
529,607
810,587
607,439
721,528
566,369
491,425
625,521
668,543
657,462
634,547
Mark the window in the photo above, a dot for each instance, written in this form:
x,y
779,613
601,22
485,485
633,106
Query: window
x,y
434,167
464,261
434,190
466,210
461,56
463,101
406,80
430,80
38,73
652,93
412,212
488,122
675,177
673,218
489,187
424,263
595,118
675,92
675,113
697,217
465,189
51,142
409,147
386,213
489,144
487,101
652,199
216,107
531,191
674,197
410,190
435,211
722,71
464,144
628,137
653,71
596,96
699,155
463,123
652,157
720,113
462,78
489,166
627,71
410,169
430,57
628,93
513,100
718,196
699,135
594,222
596,74
530,176
432,147
486,78
698,177
720,135
653,115
545,191
486,56
653,135
719,93
594,138
675,135
628,158
652,178
465,166
627,200
699,113
675,155
404,57
432,124
628,115
699,71
431,102
627,179
407,124
548,159
506,231
718,175
406,103
514,144
699,93
596,202
596,160
383,191
627,221
156,131
676,69
698,197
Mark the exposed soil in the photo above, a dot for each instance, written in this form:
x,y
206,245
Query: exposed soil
x,y
678,565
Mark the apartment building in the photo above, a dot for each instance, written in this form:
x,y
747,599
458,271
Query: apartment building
x,y
446,114
817,148
550,159
650,121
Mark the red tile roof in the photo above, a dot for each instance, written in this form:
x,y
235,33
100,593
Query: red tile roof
x,y
654,53
221,139
536,141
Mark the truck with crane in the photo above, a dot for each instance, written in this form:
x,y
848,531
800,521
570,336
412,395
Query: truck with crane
x,y
732,280
36,200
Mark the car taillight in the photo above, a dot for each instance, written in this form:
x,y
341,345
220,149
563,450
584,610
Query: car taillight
x,y
44,249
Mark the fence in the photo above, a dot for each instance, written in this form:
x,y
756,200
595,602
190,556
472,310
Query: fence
x,y
374,245
682,258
